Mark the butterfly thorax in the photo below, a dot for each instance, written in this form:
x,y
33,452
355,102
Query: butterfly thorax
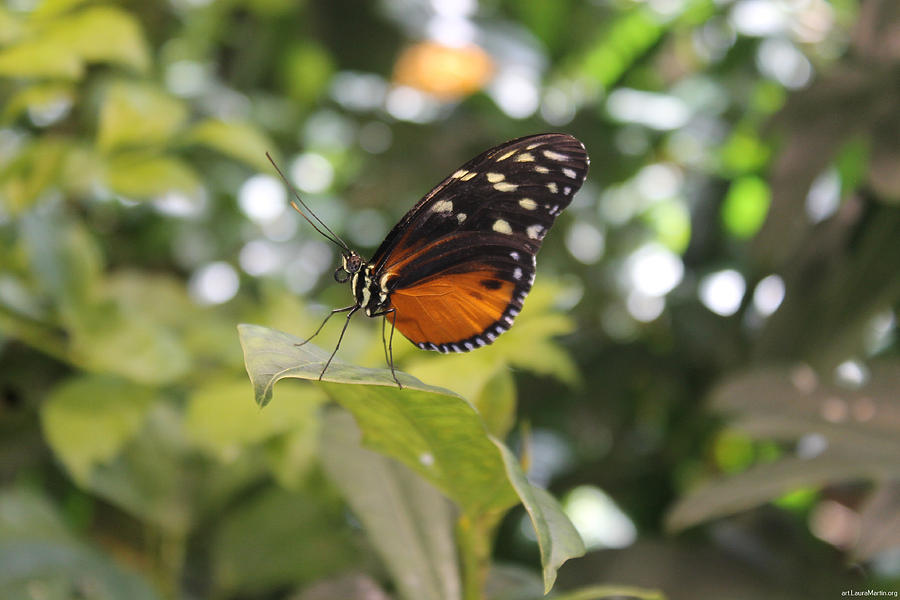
x,y
370,289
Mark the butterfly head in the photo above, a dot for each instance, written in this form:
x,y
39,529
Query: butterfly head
x,y
351,262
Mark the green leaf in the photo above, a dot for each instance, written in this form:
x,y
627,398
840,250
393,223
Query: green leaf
x,y
32,173
11,27
37,552
746,206
142,176
557,537
87,420
40,58
744,151
496,403
130,325
278,538
306,71
766,482
161,479
63,256
784,404
671,221
36,96
220,419
625,40
611,592
101,34
431,430
52,8
110,339
138,114
407,521
242,141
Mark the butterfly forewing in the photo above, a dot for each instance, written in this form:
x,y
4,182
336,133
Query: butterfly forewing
x,y
460,263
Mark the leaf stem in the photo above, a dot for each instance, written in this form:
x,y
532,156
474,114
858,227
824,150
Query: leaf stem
x,y
474,540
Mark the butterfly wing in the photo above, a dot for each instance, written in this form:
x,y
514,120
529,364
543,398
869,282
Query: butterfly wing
x,y
460,263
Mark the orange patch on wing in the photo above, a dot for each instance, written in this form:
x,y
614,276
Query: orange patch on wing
x,y
450,308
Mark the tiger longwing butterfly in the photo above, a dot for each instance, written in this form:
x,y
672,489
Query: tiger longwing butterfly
x,y
454,272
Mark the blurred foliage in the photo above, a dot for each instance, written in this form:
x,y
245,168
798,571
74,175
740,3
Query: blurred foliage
x,y
712,340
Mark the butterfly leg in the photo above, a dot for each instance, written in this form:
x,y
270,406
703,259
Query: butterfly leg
x,y
352,310
384,341
389,346
331,314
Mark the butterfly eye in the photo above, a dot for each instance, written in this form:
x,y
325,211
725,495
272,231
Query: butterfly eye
x,y
341,275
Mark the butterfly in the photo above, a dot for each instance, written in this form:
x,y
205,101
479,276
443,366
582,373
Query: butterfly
x,y
453,274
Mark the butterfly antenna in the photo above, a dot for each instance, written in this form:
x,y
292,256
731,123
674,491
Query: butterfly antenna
x,y
333,237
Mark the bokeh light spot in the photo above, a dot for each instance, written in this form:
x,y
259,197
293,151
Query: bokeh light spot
x,y
768,295
783,62
585,242
259,257
516,93
722,292
654,270
311,172
658,111
214,283
824,196
644,308
262,198
375,137
597,518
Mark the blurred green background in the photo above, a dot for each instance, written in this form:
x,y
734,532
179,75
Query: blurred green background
x,y
706,374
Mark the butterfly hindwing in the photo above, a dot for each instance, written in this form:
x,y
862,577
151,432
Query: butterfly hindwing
x,y
462,260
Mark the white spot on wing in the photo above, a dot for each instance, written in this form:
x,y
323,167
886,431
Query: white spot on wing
x,y
525,157
468,176
480,342
491,336
554,155
552,187
469,346
517,274
461,217
459,174
528,204
495,177
442,206
570,173
514,255
501,226
567,190
532,146
541,169
505,187
507,155
455,348
534,231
